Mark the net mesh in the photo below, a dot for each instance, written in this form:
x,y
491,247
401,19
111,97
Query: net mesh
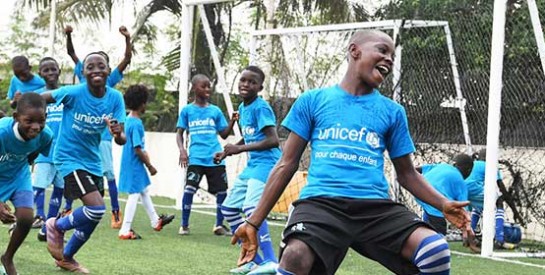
x,y
428,93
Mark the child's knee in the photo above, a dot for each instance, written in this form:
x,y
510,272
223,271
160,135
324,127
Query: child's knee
x,y
433,255
297,257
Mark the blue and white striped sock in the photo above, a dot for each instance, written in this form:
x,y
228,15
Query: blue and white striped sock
x,y
433,256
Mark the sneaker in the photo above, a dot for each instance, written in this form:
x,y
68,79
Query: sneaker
x,y
265,268
221,230
130,236
117,219
504,245
38,222
55,239
163,220
42,237
11,228
72,266
184,230
244,269
66,212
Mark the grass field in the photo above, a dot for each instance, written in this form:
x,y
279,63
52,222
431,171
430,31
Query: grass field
x,y
201,252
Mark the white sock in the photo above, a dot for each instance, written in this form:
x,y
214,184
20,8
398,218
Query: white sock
x,y
130,210
150,209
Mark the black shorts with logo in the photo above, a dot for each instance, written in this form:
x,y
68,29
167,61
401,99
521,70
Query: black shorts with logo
x,y
376,229
215,175
80,183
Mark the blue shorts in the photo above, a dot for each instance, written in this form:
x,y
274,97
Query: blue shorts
x,y
106,159
245,193
10,190
45,174
22,199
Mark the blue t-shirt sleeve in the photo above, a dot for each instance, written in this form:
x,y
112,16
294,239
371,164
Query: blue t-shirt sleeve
x,y
221,122
78,71
12,88
136,135
64,95
182,119
46,142
299,118
115,77
265,117
398,141
119,109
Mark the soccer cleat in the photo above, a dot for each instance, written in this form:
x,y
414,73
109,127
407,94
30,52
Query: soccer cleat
x,y
131,236
38,222
72,266
42,237
163,220
244,269
66,212
116,219
504,245
221,230
55,239
265,268
184,230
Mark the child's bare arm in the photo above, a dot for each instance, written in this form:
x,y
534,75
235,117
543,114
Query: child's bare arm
x,y
128,50
144,157
69,45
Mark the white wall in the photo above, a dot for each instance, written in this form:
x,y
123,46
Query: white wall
x,y
170,179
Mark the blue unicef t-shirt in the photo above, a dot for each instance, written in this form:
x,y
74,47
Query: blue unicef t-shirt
x,y
82,125
348,136
475,183
133,177
203,124
448,181
115,75
35,83
106,135
253,119
14,152
53,121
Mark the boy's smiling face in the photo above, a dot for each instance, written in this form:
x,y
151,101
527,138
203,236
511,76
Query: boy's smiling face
x,y
373,59
249,84
31,122
96,70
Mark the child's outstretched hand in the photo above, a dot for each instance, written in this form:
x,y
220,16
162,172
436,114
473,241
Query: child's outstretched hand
x,y
235,116
5,213
123,30
68,29
113,126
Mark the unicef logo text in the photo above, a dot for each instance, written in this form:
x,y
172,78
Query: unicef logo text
x,y
202,122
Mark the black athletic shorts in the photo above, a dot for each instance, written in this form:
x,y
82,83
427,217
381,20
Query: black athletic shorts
x,y
215,175
80,182
439,223
376,229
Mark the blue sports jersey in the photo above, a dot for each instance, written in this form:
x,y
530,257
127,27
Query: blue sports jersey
x,y
133,177
106,135
203,125
115,75
53,121
475,183
253,119
35,83
348,135
82,125
14,152
448,181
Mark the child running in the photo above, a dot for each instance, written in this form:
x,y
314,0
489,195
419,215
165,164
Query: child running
x,y
22,138
203,121
133,178
88,109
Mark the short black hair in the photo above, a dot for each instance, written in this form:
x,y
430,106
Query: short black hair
x,y
48,58
30,100
135,96
20,60
199,77
101,53
256,70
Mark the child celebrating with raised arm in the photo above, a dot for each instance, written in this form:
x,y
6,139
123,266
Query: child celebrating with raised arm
x,y
88,109
203,121
260,140
22,138
133,178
